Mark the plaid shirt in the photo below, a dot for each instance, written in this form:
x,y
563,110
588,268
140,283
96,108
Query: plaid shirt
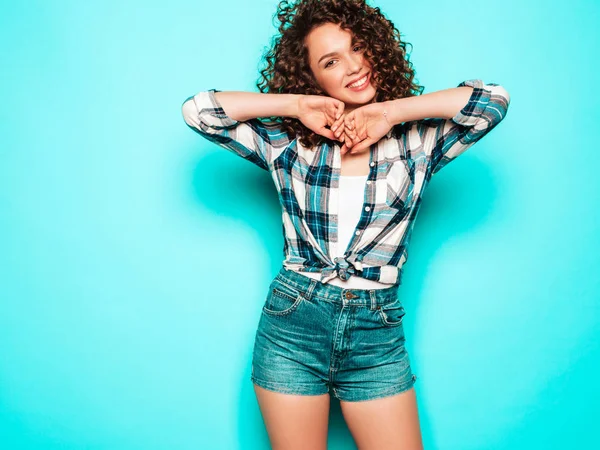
x,y
307,180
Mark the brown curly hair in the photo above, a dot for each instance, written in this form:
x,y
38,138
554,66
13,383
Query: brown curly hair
x,y
288,70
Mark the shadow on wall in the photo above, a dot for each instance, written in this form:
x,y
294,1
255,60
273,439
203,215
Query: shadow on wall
x,y
226,185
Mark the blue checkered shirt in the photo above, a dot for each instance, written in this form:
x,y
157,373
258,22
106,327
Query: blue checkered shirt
x,y
307,180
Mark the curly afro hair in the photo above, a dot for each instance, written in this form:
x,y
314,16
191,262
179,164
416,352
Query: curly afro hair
x,y
288,70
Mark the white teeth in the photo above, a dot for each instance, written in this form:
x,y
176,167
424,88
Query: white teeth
x,y
359,83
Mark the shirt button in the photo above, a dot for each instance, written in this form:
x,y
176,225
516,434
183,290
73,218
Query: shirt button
x,y
372,163
368,181
367,208
357,232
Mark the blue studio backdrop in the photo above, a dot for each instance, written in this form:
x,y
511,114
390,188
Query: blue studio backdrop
x,y
135,256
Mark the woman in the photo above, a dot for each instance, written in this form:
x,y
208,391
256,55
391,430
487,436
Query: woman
x,y
351,147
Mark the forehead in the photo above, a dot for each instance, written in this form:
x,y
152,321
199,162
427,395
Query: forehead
x,y
327,38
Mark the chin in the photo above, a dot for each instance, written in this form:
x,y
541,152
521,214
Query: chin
x,y
361,98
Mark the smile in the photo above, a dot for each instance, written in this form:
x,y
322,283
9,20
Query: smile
x,y
357,85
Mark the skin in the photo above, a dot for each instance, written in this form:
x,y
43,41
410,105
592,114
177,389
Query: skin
x,y
297,422
333,74
336,60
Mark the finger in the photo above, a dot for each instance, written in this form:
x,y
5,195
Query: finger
x,y
347,118
349,122
335,110
340,109
331,109
329,117
355,140
346,140
361,133
337,126
362,145
351,134
346,137
327,133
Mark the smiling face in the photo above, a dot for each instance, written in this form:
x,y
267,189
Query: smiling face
x,y
337,62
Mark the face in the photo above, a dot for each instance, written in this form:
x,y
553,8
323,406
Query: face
x,y
337,62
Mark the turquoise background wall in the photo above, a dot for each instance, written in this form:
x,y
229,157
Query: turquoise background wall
x,y
135,256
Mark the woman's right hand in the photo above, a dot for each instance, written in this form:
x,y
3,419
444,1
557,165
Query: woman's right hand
x,y
318,111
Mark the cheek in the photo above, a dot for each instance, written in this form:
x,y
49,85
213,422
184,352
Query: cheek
x,y
332,82
335,83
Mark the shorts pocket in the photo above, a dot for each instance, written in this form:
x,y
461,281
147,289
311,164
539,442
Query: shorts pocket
x,y
282,299
391,315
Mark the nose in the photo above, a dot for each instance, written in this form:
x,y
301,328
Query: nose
x,y
354,64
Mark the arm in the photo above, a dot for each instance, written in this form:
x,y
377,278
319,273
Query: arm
x,y
243,106
241,133
452,120
442,104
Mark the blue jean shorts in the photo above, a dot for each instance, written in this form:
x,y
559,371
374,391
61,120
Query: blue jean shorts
x,y
314,338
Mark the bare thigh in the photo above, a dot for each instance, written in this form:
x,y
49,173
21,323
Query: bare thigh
x,y
294,422
389,423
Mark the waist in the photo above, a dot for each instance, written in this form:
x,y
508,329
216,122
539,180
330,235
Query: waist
x,y
333,293
388,274
353,282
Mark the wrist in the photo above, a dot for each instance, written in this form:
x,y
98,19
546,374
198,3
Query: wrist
x,y
386,116
293,105
394,111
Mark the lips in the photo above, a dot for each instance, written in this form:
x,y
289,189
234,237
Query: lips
x,y
358,79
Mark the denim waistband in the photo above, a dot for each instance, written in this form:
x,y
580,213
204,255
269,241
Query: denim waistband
x,y
310,288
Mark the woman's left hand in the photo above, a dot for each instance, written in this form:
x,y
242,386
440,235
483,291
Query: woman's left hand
x,y
364,126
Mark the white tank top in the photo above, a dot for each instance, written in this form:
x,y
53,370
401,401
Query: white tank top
x,y
351,198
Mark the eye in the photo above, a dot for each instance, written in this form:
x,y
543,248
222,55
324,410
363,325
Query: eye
x,y
327,65
358,46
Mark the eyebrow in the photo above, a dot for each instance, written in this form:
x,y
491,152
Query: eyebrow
x,y
326,55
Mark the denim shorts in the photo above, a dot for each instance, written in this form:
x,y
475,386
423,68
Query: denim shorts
x,y
313,338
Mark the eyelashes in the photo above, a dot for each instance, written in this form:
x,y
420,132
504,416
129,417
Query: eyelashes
x,y
329,62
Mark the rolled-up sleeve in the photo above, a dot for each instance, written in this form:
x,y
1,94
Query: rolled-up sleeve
x,y
445,139
254,140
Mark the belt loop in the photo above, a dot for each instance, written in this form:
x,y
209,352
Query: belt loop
x,y
309,291
373,299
